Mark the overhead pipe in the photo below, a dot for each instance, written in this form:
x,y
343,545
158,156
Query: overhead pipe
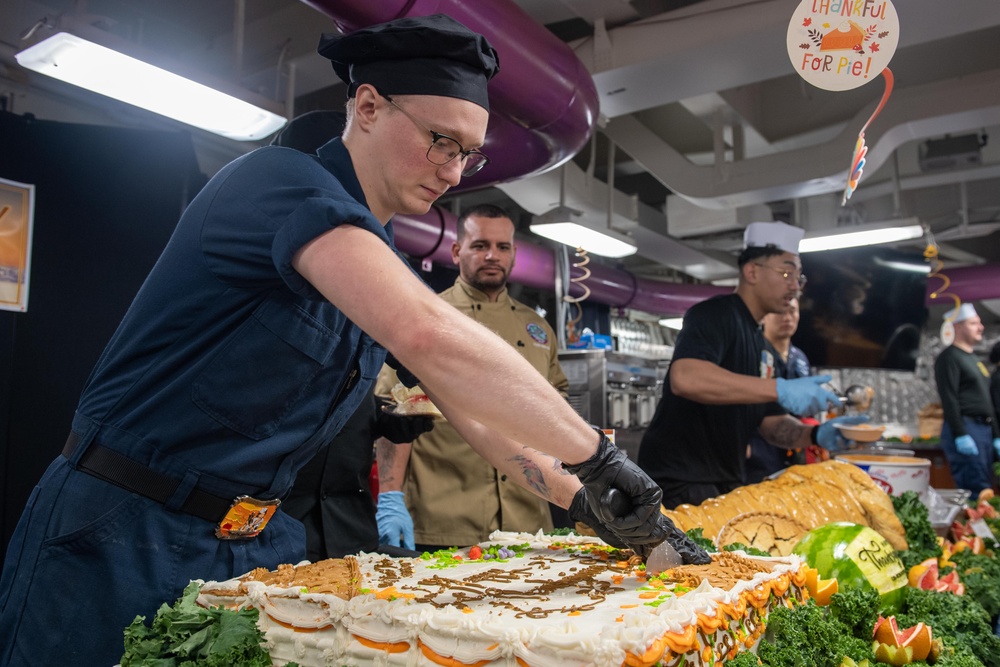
x,y
429,237
543,108
543,101
968,283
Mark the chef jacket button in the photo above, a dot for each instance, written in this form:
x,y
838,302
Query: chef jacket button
x,y
503,478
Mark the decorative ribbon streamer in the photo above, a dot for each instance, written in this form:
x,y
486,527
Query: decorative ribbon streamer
x,y
571,334
860,150
931,254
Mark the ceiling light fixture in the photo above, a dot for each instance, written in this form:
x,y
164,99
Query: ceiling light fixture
x,y
87,63
863,235
562,224
558,225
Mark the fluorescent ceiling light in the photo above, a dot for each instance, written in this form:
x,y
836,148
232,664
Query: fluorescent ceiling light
x,y
672,322
89,65
556,225
861,236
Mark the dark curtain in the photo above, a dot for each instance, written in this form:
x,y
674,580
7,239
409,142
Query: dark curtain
x,y
106,202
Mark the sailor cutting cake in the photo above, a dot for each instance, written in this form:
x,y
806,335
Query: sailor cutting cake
x,y
258,332
721,385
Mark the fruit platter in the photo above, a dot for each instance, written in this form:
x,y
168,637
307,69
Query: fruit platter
x,y
934,603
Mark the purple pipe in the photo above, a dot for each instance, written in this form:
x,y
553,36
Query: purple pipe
x,y
543,101
969,283
430,237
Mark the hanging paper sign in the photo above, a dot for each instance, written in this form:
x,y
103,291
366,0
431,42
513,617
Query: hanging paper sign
x,y
842,44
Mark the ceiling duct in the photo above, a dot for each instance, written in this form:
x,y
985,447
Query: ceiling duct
x,y
952,152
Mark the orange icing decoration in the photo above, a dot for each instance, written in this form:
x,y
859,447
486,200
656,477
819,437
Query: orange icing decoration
x,y
653,654
781,584
709,624
394,647
448,662
296,628
646,595
681,642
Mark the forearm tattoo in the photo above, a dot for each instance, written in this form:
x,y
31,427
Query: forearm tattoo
x,y
532,475
785,433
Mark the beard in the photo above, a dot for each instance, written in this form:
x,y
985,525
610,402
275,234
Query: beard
x,y
488,282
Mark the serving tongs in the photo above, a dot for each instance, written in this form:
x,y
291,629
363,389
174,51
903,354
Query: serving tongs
x,y
858,397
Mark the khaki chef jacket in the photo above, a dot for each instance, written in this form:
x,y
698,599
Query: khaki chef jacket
x,y
456,498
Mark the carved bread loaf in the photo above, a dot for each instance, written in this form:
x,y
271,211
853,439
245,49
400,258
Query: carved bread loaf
x,y
812,495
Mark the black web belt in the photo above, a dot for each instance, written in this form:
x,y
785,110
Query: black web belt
x,y
116,468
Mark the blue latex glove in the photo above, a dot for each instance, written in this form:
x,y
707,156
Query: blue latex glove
x,y
996,446
966,445
829,437
393,520
805,396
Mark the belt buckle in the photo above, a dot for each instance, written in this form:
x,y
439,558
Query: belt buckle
x,y
246,518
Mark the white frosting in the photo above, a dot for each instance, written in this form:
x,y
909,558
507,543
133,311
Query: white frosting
x,y
549,608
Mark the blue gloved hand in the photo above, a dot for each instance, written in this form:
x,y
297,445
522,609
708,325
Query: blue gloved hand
x,y
966,445
828,436
805,396
393,520
996,446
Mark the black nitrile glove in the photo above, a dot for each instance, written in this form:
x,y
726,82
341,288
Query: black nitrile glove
x,y
610,468
580,510
401,428
689,551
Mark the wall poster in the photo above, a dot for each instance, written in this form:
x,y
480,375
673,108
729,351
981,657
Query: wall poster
x,y
17,212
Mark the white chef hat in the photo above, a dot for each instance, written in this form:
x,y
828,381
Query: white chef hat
x,y
960,314
762,234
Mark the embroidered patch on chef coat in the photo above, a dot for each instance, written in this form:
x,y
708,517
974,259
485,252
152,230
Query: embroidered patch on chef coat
x,y
537,333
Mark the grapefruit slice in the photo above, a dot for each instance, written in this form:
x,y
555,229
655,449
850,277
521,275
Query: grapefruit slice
x,y
886,632
919,638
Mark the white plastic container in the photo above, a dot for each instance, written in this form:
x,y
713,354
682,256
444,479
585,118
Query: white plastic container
x,y
894,474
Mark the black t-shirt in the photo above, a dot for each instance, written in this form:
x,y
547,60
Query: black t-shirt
x,y
963,384
692,442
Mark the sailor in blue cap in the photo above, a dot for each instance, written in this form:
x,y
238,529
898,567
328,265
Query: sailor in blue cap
x,y
258,332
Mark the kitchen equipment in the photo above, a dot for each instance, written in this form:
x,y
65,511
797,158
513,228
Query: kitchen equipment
x,y
663,556
859,397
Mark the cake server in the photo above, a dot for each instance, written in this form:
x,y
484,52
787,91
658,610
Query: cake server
x,y
663,556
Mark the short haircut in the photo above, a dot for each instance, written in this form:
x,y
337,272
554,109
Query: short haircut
x,y
995,354
480,211
757,252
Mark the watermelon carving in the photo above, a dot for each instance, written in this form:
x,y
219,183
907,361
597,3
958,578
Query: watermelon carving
x,y
854,554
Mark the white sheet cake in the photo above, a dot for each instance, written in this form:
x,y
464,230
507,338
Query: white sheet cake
x,y
541,601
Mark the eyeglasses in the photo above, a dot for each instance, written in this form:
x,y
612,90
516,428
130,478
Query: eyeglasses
x,y
796,276
444,149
